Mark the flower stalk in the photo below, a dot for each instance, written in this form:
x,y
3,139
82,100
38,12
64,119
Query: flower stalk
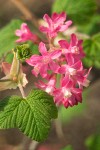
x,y
22,91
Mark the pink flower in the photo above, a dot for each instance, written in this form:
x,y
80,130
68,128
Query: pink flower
x,y
71,69
25,34
44,62
67,94
76,73
74,48
55,24
47,87
81,77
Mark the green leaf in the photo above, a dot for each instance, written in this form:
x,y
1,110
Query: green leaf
x,y
9,58
92,27
8,37
92,50
31,115
93,142
79,11
69,147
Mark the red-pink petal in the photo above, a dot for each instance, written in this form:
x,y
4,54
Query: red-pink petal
x,y
20,40
78,66
43,70
18,32
42,48
47,19
62,69
65,26
55,54
33,60
44,29
65,102
64,44
65,81
58,18
24,26
54,66
74,40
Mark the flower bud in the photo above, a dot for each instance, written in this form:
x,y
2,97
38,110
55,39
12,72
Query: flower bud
x,y
23,51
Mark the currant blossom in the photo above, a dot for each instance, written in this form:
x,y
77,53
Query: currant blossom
x,y
60,67
55,24
82,78
71,69
49,86
44,62
74,47
76,73
67,94
25,34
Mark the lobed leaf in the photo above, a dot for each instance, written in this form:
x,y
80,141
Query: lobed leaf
x,y
31,115
92,50
93,27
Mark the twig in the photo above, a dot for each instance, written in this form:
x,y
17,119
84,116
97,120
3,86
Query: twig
x,y
58,128
28,145
26,12
33,145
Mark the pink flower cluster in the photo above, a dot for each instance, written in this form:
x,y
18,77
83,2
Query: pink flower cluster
x,y
55,24
60,67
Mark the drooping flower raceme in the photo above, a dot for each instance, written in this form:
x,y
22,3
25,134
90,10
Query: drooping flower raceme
x,y
25,34
61,68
